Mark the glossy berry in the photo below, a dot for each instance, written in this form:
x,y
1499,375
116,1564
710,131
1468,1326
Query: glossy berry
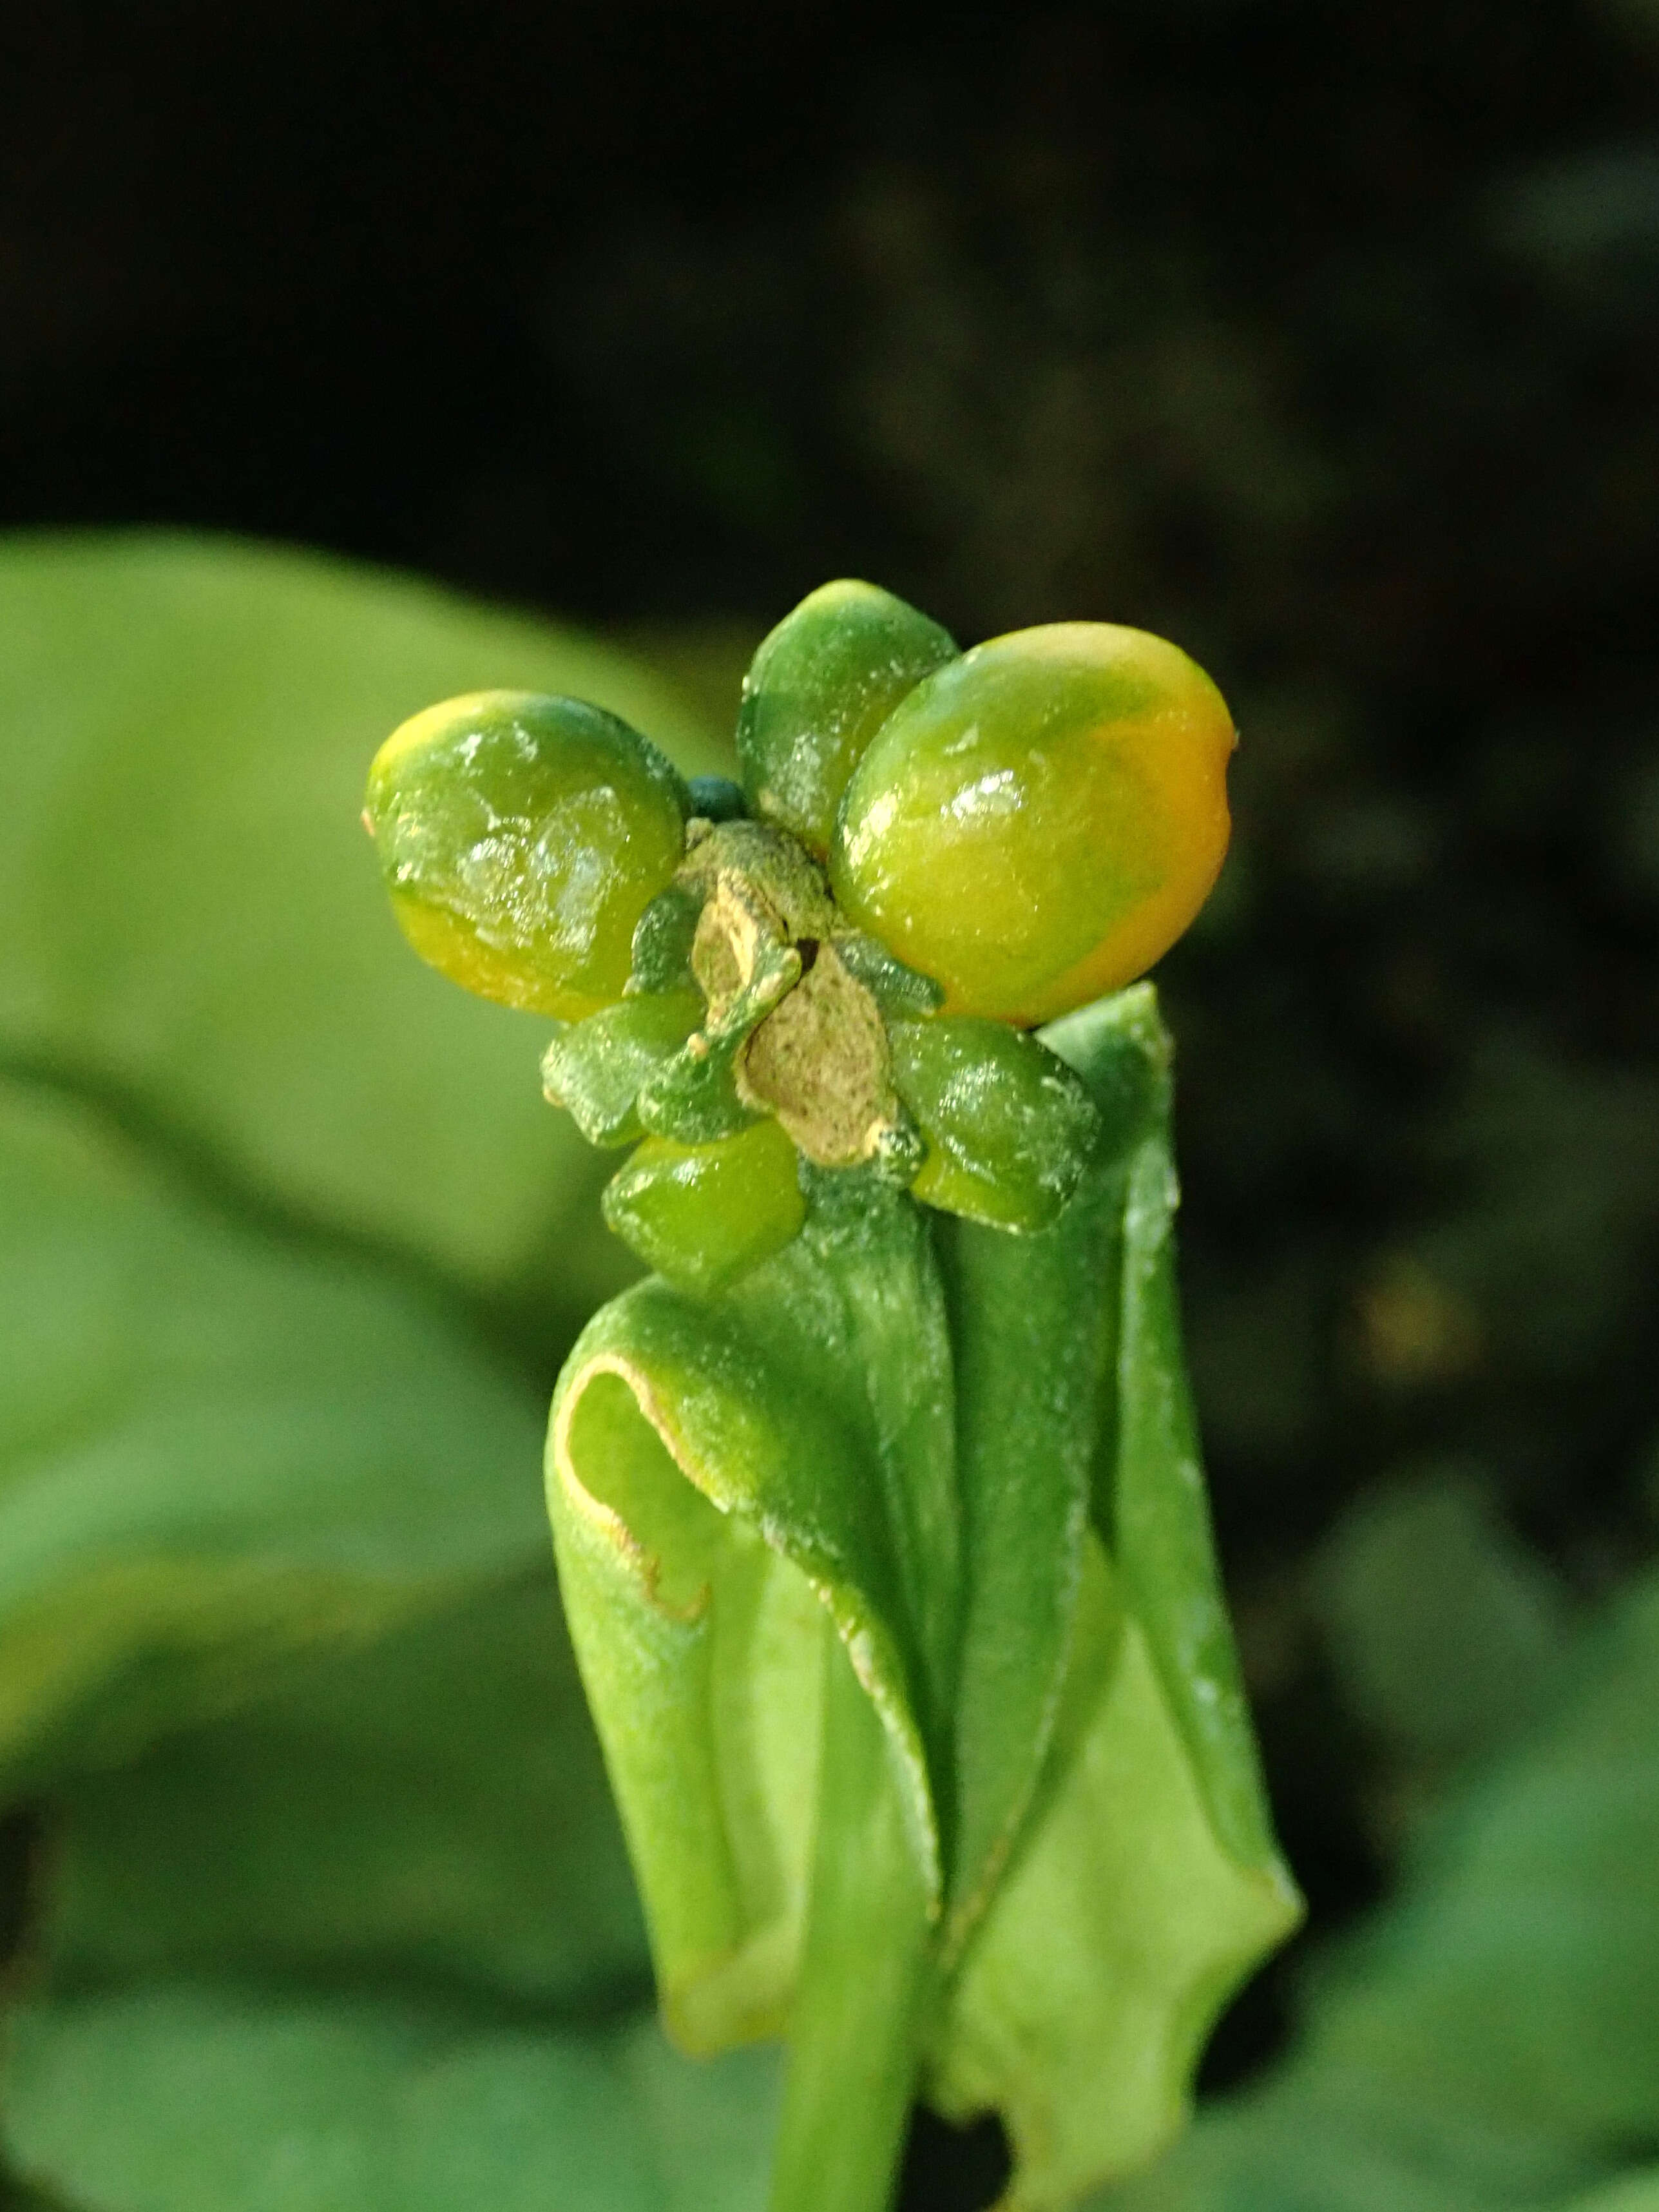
x,y
1009,1127
819,688
521,839
704,1214
1038,821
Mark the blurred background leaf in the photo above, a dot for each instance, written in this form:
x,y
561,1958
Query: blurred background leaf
x,y
207,2099
216,1449
1492,2037
191,927
1442,1628
432,1808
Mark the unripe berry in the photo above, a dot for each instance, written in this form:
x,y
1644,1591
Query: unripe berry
x,y
521,839
819,688
1038,822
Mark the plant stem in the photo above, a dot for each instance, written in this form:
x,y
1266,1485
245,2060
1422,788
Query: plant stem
x,y
860,2008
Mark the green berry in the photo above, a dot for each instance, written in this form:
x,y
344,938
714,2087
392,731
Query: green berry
x,y
1009,1127
717,799
702,1215
521,839
821,685
1038,821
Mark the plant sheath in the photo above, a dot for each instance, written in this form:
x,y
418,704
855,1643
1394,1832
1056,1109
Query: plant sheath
x,y
862,2005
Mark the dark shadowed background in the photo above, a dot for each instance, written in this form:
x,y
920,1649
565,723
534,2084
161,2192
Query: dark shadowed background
x,y
1322,339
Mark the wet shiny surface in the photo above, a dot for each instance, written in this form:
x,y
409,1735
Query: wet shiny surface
x,y
1039,820
821,685
521,839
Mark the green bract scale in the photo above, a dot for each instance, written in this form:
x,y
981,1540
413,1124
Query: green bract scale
x,y
1040,820
879,1507
521,839
821,686
597,1069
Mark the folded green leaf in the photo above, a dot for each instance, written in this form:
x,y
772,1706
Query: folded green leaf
x,y
720,1472
1122,1926
897,1417
1139,1879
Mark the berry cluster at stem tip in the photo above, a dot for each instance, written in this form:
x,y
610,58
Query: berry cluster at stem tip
x,y
837,962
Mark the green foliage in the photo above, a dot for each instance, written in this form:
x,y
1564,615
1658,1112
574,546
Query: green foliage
x,y
198,2098
216,1449
1442,1625
332,1909
430,1806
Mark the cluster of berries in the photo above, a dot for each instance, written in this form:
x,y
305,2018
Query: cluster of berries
x,y
836,964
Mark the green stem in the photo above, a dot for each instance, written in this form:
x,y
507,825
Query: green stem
x,y
855,2032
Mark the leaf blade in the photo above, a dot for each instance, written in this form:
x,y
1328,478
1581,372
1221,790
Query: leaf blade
x,y
217,2098
218,1451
